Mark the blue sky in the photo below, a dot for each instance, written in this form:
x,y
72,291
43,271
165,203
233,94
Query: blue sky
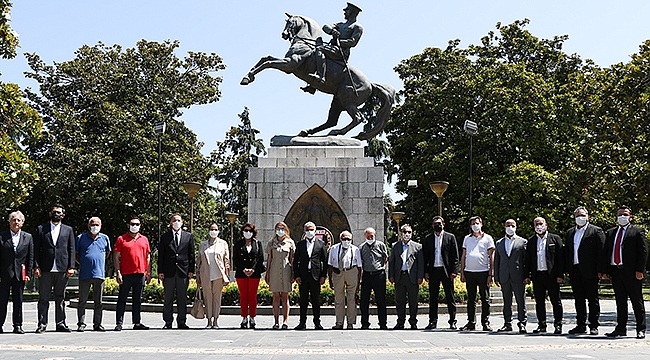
x,y
242,31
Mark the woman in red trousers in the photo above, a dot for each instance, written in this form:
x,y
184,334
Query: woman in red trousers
x,y
248,259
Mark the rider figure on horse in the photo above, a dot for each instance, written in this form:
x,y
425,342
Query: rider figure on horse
x,y
345,35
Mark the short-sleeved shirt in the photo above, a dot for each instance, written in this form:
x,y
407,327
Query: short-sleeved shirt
x,y
133,253
347,257
477,257
92,255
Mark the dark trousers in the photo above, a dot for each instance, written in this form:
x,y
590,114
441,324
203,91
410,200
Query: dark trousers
x,y
135,282
175,285
435,278
585,290
373,282
543,284
516,288
49,280
403,288
626,285
309,292
98,308
473,281
16,288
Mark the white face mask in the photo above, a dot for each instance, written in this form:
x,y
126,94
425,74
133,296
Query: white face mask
x,y
214,233
279,232
177,225
540,229
407,236
345,243
370,241
309,234
134,229
95,229
510,230
476,228
623,220
248,234
581,220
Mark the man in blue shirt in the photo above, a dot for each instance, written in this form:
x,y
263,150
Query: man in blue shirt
x,y
93,248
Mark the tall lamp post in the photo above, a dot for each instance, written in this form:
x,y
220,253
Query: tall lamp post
x,y
439,188
412,184
192,188
471,129
232,217
159,129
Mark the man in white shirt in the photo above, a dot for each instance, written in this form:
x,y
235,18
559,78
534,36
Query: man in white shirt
x,y
344,273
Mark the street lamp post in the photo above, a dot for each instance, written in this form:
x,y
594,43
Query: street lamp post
x,y
412,184
439,188
192,188
397,216
471,129
232,217
159,129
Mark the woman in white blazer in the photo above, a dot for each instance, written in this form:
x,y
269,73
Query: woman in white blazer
x,y
213,266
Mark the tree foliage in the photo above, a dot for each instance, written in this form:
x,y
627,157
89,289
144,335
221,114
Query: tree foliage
x,y
555,132
99,151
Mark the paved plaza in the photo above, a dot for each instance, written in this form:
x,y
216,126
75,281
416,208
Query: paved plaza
x,y
231,342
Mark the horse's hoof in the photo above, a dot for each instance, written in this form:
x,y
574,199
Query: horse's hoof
x,y
334,133
245,81
303,133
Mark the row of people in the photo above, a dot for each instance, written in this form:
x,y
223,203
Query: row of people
x,y
512,262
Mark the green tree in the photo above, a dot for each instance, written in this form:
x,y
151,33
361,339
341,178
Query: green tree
x,y
99,155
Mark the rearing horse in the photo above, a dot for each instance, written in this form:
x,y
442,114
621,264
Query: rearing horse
x,y
349,86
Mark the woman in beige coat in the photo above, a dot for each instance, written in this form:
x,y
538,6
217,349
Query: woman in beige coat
x,y
213,266
279,274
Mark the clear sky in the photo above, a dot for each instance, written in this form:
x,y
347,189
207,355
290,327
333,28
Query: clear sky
x,y
242,31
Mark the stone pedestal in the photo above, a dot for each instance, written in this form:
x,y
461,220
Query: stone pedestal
x,y
342,172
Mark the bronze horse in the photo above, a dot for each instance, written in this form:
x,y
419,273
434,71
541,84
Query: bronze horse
x,y
349,86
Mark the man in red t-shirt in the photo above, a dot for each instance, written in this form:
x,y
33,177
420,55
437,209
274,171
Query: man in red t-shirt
x,y
131,258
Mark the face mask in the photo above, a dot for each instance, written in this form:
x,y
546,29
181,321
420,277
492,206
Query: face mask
x,y
581,220
214,233
95,229
177,225
345,243
279,232
407,236
248,234
437,227
370,241
623,220
540,229
309,234
134,229
476,228
510,230
55,217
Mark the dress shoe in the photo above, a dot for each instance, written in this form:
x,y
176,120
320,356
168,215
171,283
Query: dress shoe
x,y
398,327
318,327
383,327
251,323
640,334
183,327
468,327
558,330
1,330
167,327
350,327
505,328
243,324
522,328
431,326
81,328
579,330
41,329
452,326
63,328
593,331
300,326
413,327
617,334
337,327
487,327
540,330
98,328
18,330
140,327
118,327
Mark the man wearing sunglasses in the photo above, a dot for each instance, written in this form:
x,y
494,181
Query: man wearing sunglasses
x,y
344,273
406,271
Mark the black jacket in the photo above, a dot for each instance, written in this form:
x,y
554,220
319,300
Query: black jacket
x,y
554,256
318,260
242,259
12,261
449,253
172,258
46,253
634,249
590,251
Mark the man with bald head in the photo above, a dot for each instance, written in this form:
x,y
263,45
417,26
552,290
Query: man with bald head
x,y
374,256
93,248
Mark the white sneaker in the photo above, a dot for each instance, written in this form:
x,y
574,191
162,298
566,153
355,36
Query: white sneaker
x,y
251,323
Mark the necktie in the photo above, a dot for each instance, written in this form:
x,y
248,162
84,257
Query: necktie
x,y
617,247
177,239
342,257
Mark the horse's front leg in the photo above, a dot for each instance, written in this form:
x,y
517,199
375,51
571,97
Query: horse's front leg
x,y
357,119
332,119
264,63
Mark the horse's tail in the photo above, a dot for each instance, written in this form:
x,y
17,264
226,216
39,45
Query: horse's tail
x,y
386,94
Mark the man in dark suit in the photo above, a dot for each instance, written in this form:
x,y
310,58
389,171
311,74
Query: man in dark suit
x,y
54,260
625,256
509,274
16,260
544,263
310,270
176,265
406,271
582,253
442,265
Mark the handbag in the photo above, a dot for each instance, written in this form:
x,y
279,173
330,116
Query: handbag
x,y
198,308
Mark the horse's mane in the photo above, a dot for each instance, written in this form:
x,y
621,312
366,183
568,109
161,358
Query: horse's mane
x,y
313,27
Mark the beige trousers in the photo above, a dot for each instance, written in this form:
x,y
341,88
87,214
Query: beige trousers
x,y
212,297
345,286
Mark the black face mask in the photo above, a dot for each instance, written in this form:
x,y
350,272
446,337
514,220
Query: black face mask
x,y
55,217
437,227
